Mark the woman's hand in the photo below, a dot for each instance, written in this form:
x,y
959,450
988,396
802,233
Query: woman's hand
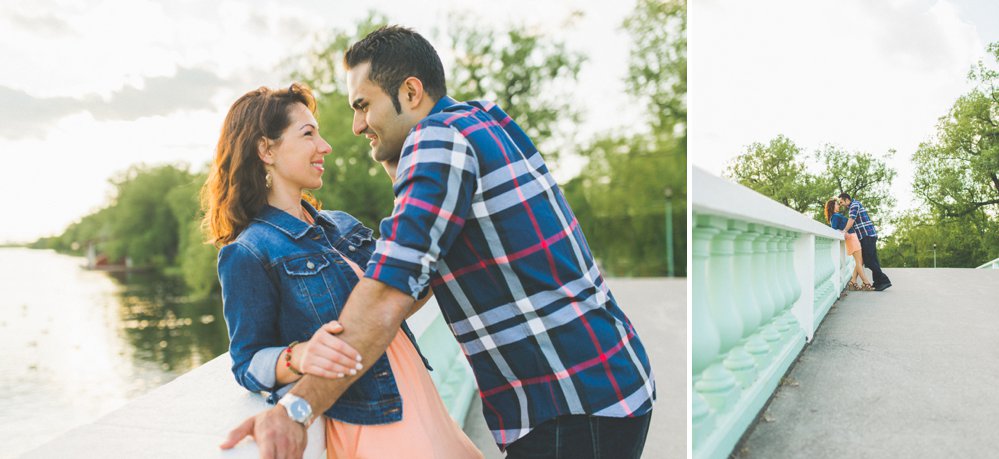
x,y
325,355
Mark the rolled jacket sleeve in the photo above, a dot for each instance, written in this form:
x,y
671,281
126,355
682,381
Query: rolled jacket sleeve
x,y
435,184
249,303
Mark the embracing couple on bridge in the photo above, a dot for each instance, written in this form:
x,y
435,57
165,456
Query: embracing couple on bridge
x,y
861,241
316,306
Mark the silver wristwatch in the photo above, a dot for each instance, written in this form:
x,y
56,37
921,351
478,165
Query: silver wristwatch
x,y
298,409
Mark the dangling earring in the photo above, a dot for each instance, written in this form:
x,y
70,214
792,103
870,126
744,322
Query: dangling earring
x,y
268,180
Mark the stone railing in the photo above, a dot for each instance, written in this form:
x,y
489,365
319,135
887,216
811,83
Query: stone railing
x,y
763,278
191,415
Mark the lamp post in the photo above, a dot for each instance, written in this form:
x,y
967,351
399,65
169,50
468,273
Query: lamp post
x,y
934,255
670,269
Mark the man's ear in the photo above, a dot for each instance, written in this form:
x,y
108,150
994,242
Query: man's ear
x,y
411,92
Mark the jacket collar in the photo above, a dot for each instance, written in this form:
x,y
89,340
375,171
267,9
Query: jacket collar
x,y
288,224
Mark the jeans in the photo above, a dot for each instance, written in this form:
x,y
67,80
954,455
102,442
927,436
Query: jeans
x,y
584,437
869,250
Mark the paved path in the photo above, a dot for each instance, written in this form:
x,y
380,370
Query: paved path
x,y
909,372
658,309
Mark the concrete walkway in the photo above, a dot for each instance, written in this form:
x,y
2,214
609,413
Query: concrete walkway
x,y
658,309
909,372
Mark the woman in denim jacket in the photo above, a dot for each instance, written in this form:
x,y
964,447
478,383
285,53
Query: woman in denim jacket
x,y
286,270
838,222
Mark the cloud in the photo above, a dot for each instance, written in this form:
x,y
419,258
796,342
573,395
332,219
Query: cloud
x,y
189,89
922,36
42,24
23,115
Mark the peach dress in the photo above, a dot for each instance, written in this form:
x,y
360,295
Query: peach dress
x,y
426,429
852,243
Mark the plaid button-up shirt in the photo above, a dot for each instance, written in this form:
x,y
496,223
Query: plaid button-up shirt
x,y
861,222
478,216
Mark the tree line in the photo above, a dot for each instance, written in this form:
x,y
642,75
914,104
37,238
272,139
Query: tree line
x,y
619,197
956,182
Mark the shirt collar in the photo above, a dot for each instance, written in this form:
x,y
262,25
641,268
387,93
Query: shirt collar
x,y
285,222
443,104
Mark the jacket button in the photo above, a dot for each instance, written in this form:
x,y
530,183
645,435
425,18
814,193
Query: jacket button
x,y
351,248
310,265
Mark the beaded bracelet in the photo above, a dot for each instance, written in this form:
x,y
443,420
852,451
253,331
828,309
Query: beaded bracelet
x,y
287,359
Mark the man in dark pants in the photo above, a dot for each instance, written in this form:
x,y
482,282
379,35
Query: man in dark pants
x,y
860,221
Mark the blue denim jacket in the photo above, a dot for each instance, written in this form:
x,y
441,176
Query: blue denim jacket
x,y
281,280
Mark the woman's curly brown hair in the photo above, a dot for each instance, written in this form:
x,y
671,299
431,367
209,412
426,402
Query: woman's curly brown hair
x,y
235,190
830,205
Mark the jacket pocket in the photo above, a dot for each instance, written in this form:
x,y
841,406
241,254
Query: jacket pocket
x,y
314,286
359,245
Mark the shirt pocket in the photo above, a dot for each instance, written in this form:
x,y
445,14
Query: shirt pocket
x,y
316,286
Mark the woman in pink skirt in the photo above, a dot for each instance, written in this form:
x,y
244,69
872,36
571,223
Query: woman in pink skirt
x,y
838,221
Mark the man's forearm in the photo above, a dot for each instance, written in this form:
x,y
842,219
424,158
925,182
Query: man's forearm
x,y
370,319
849,224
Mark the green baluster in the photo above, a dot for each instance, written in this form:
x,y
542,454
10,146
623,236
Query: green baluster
x,y
725,305
774,276
765,289
720,282
753,287
705,342
751,315
789,324
716,383
701,420
761,289
792,273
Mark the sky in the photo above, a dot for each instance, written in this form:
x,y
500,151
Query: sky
x,y
864,75
90,87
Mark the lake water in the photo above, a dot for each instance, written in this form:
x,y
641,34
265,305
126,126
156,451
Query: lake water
x,y
77,344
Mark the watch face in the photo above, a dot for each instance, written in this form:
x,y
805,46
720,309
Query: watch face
x,y
298,408
301,409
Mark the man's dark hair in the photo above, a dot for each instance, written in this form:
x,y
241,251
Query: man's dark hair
x,y
845,196
397,53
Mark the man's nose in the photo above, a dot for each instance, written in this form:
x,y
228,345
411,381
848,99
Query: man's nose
x,y
359,125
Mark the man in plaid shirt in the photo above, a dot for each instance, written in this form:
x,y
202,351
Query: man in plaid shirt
x,y
861,222
560,369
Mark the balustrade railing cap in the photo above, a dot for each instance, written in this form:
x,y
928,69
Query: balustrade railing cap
x,y
989,264
718,196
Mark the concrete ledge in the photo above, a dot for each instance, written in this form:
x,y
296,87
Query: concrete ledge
x,y
191,415
187,417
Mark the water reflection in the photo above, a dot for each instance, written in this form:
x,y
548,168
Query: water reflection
x,y
78,344
163,325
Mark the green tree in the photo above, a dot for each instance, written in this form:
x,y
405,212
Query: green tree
x,y
957,177
142,226
961,242
620,196
518,69
862,175
778,170
196,259
657,63
959,172
523,71
354,183
619,200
